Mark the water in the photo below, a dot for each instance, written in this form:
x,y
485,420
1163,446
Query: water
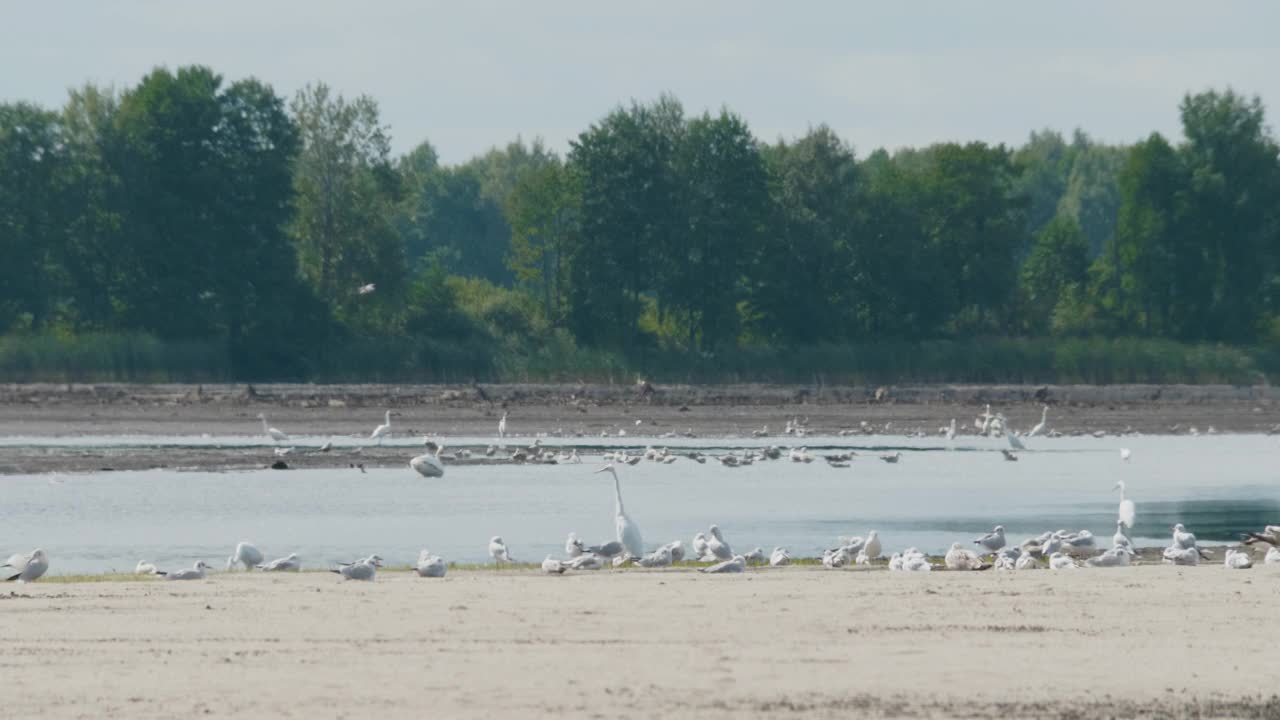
x,y
1216,485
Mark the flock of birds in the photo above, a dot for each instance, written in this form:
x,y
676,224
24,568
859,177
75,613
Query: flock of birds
x,y
1058,550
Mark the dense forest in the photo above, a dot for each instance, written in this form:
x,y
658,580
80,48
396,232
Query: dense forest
x,y
194,228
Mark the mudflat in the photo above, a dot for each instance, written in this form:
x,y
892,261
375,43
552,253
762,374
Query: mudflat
x,y
802,642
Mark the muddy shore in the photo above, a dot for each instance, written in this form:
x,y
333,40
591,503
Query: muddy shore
x,y
574,411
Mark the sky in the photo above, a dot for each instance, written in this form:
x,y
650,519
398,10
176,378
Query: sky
x,y
470,76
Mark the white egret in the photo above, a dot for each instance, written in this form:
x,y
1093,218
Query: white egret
x,y
432,566
366,289
628,530
498,550
429,463
1044,417
245,554
289,563
735,565
195,573
25,568
993,540
551,566
274,434
382,430
1127,511
502,427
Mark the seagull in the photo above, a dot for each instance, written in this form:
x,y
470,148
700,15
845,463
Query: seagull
x,y
1125,454
1127,510
25,568
1237,560
1115,557
498,550
836,558
1008,455
1181,556
658,558
1014,442
606,551
628,530
1058,561
432,566
245,554
327,446
872,547
755,556
382,430
1270,534
551,566
1273,556
1026,562
1044,417
779,557
716,545
1080,541
735,565
700,546
573,546
146,568
586,562
960,558
429,464
276,435
676,549
993,540
1120,539
284,564
195,573
895,562
364,569
894,458
1182,539
281,452
366,289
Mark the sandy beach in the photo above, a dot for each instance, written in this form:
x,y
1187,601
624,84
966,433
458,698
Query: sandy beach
x,y
801,642
569,411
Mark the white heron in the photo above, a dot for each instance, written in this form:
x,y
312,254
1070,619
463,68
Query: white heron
x,y
25,568
498,550
289,563
245,554
502,427
429,463
1127,509
195,573
432,566
1044,418
275,435
382,430
366,289
551,566
628,530
735,565
951,430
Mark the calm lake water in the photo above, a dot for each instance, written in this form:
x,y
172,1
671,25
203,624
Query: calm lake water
x,y
1216,485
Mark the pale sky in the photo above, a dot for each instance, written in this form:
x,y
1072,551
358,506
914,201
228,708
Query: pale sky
x,y
471,75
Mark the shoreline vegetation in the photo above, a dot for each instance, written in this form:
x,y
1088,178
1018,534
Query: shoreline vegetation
x,y
194,228
143,358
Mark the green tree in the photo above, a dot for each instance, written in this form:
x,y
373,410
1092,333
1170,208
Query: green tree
x,y
542,210
1058,265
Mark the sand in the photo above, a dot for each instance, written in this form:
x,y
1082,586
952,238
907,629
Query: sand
x,y
569,411
1152,641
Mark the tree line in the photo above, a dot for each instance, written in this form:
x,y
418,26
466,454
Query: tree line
x,y
191,208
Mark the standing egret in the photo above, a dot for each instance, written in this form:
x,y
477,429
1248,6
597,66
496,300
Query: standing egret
x,y
502,427
628,531
1127,510
1044,417
951,430
274,434
382,430
429,464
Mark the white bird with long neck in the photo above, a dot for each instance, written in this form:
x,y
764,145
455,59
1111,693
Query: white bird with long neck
x,y
429,463
382,430
274,434
1044,418
502,427
628,530
1127,511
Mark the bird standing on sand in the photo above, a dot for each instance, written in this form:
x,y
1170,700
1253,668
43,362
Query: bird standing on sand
x,y
628,530
498,550
1127,511
275,435
382,430
1044,418
993,540
502,427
